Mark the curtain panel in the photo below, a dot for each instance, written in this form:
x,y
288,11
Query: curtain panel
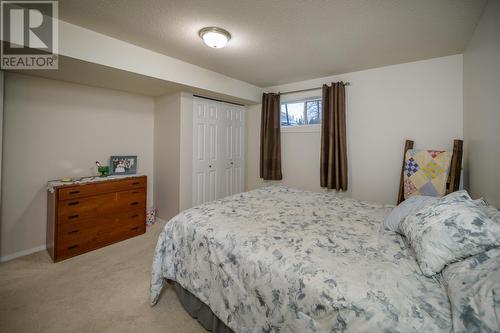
x,y
333,158
270,138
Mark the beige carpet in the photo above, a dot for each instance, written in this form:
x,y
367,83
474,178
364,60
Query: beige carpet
x,y
101,291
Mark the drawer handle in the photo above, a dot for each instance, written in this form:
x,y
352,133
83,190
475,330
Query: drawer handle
x,y
72,232
74,192
134,228
73,203
135,183
135,192
72,247
134,216
73,216
134,203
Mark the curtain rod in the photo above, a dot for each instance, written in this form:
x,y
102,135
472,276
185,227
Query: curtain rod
x,y
217,100
309,89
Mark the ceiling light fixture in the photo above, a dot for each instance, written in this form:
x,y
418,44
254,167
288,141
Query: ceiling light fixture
x,y
214,37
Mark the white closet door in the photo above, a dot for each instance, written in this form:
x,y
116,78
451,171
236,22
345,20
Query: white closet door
x,y
218,155
206,183
232,148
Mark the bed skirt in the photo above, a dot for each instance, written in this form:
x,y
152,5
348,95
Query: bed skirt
x,y
199,310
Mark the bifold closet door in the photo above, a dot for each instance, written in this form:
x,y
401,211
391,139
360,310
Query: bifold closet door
x,y
218,155
232,123
206,182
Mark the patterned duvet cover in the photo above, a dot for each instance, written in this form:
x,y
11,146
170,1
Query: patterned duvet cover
x,y
277,259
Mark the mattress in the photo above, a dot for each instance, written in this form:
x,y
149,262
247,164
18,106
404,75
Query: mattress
x,y
281,259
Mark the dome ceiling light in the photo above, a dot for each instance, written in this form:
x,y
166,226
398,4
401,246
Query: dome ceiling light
x,y
214,37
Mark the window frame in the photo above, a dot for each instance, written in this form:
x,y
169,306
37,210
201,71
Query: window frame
x,y
309,128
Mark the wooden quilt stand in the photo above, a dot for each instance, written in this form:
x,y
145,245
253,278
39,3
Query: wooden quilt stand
x,y
455,168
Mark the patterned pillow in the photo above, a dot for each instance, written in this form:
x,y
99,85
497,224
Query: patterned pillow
x,y
473,287
490,210
426,172
450,230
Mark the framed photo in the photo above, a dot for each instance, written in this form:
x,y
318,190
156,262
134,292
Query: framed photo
x,y
123,165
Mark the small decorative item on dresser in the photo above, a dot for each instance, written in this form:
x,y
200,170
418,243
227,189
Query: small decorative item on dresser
x,y
123,165
103,169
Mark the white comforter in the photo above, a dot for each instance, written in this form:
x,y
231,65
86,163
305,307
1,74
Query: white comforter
x,y
283,260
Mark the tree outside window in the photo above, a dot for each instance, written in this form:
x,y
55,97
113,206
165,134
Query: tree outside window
x,y
307,112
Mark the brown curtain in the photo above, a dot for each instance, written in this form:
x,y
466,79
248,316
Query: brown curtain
x,y
270,138
333,160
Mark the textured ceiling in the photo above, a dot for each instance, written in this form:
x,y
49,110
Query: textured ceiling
x,y
283,41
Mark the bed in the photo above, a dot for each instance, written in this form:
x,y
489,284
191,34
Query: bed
x,y
277,259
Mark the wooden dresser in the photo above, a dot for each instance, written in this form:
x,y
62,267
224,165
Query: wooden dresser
x,y
85,217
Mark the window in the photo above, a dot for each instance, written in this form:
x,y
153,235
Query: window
x,y
301,113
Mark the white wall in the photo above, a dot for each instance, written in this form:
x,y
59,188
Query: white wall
x,y
54,129
482,106
173,153
166,154
186,152
421,101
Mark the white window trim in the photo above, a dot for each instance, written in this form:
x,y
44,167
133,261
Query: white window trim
x,y
300,97
301,129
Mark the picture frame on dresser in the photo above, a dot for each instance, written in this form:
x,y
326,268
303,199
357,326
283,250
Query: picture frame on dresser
x,y
123,165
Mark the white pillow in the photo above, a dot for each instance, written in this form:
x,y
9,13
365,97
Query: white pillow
x,y
407,207
492,212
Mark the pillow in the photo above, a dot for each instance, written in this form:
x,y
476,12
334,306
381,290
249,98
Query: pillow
x,y
426,172
473,287
407,207
452,229
492,212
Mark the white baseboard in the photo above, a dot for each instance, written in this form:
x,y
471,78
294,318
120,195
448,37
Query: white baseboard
x,y
22,253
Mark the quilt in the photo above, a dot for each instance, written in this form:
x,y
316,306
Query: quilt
x,y
426,172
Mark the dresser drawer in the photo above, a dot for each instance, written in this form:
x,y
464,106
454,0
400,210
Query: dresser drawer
x,y
122,185
75,228
133,199
126,224
78,236
65,251
85,190
83,208
103,226
78,191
